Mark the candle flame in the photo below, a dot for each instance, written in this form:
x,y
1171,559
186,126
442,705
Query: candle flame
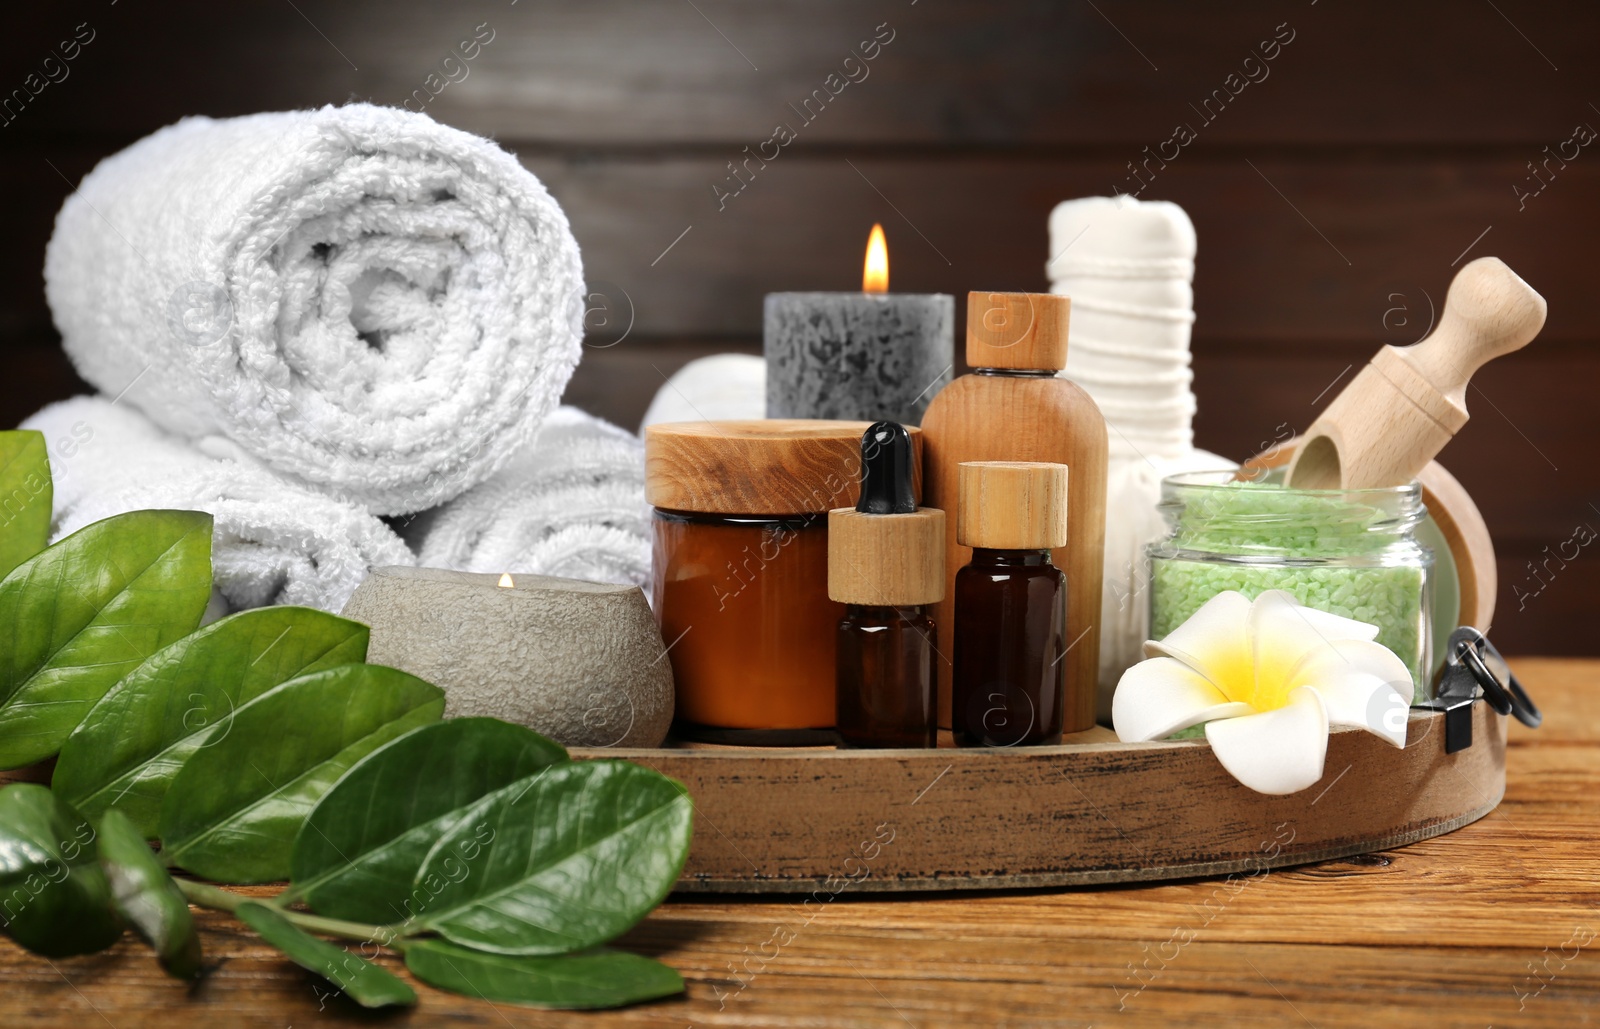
x,y
875,274
506,581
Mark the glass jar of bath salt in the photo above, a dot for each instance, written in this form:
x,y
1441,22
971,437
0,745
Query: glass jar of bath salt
x,y
740,571
1348,552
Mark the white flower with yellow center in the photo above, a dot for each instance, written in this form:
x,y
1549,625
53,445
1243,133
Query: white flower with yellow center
x,y
1268,678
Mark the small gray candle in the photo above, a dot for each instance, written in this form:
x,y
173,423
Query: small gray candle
x,y
857,356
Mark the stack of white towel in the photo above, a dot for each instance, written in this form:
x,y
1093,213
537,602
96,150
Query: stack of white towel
x,y
275,542
572,504
308,320
1128,266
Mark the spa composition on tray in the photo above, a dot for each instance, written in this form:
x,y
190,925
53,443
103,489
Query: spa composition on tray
x,y
879,626
793,566
750,576
889,611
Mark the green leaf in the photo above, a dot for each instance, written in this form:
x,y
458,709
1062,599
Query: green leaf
x,y
361,980
147,897
358,853
54,898
133,742
232,811
87,611
599,978
26,495
563,860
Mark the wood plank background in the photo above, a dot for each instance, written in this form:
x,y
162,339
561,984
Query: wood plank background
x,y
1332,199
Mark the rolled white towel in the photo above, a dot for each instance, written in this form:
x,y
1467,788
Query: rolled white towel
x,y
570,504
358,298
715,388
274,542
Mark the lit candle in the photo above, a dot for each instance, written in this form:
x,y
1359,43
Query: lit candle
x,y
865,356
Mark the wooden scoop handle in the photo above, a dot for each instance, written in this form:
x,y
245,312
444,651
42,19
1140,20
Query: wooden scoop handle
x,y
1488,312
1400,411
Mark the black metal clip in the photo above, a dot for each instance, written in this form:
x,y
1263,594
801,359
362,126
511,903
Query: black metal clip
x,y
1471,664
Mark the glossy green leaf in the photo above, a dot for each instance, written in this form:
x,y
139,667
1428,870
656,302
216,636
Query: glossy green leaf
x,y
26,496
85,612
232,811
563,860
598,978
54,898
133,742
361,980
358,853
147,897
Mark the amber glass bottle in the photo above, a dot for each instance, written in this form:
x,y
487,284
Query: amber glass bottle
x,y
886,677
1010,606
885,562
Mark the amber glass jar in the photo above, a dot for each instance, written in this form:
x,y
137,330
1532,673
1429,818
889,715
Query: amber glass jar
x,y
741,572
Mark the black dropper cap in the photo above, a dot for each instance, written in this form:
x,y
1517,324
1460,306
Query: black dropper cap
x,y
886,470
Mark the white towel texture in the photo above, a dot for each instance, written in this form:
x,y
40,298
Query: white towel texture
x,y
716,388
274,542
358,298
570,504
1128,266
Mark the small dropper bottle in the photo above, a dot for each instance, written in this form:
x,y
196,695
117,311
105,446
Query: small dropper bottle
x,y
1010,605
886,563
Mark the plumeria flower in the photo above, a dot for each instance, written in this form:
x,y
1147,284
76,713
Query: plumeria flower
x,y
1268,678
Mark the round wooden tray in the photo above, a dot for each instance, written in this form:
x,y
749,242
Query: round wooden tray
x,y
1090,811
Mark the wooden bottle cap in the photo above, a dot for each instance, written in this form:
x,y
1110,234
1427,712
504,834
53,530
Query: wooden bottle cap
x,y
761,467
1023,331
886,560
1012,505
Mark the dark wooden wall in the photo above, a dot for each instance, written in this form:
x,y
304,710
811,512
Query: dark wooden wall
x,y
1332,200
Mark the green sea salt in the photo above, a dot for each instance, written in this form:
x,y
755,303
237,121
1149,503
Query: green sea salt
x,y
1329,550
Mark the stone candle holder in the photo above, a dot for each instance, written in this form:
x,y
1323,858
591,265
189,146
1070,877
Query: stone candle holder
x,y
580,662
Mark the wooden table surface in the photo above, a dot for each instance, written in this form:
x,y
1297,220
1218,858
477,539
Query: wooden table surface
x,y
1497,924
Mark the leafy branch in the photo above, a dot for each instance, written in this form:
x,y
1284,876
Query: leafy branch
x,y
261,748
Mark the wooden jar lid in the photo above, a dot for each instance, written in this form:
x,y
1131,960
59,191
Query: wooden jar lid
x,y
886,560
1023,331
764,467
1012,505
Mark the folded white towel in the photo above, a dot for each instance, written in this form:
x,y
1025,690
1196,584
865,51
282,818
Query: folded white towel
x,y
274,542
570,504
359,298
710,389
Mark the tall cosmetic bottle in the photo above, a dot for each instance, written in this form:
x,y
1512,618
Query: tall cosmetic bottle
x,y
886,563
1011,605
1014,408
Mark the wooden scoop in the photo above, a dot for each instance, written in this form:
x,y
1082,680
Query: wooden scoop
x,y
1385,427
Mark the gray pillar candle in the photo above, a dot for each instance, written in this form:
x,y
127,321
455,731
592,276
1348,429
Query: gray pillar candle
x,y
857,356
